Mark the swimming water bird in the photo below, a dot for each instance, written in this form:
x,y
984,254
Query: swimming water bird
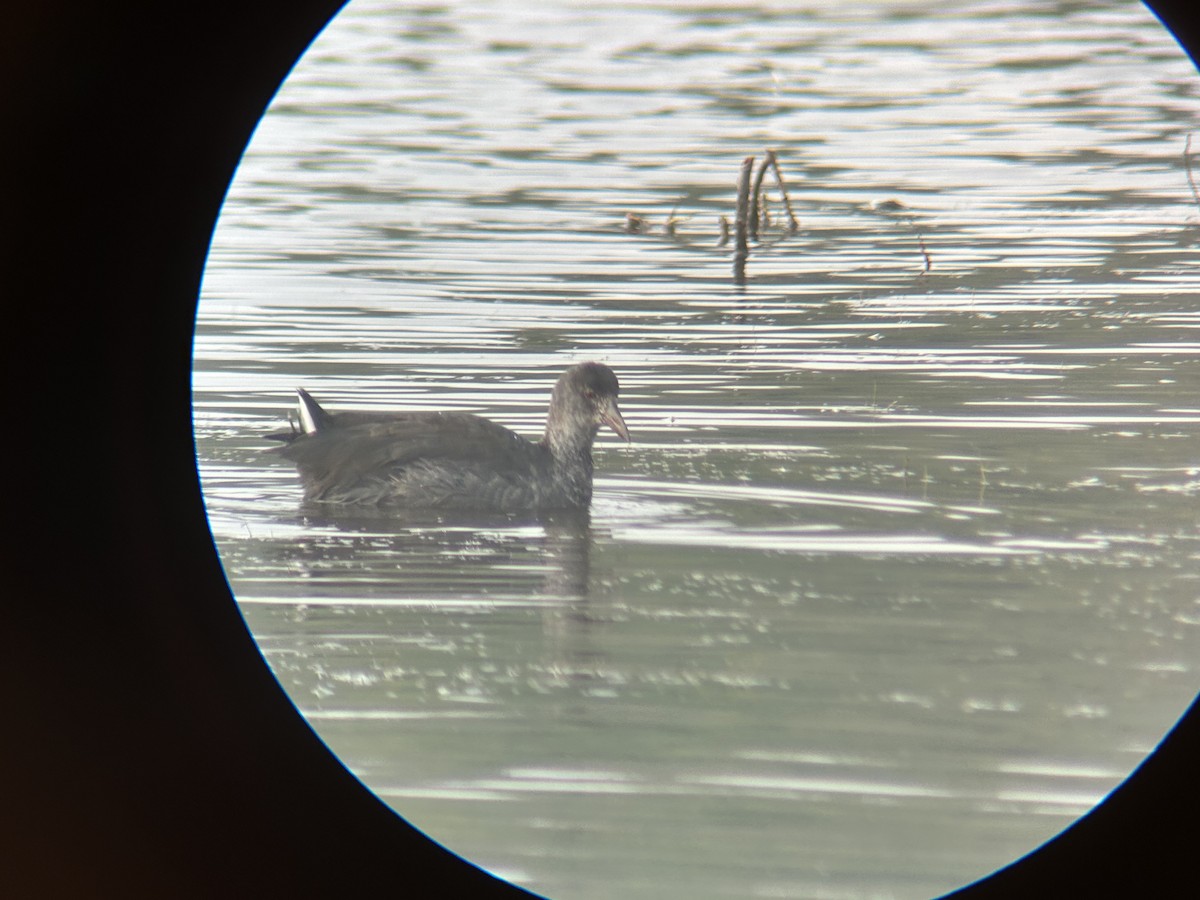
x,y
454,460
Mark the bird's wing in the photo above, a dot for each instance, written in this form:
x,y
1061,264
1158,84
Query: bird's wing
x,y
357,446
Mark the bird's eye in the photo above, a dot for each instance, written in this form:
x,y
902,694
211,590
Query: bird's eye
x,y
591,395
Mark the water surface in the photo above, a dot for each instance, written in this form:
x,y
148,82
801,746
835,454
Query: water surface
x,y
900,574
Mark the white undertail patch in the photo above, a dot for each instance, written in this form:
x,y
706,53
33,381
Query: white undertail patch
x,y
307,422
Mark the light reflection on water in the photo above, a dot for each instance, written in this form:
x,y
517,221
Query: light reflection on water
x,y
899,576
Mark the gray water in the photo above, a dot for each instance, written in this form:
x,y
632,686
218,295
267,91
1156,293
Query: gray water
x,y
900,574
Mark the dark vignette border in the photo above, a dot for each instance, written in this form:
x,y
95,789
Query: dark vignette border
x,y
146,748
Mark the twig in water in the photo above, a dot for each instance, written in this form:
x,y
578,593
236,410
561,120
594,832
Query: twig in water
x,y
724,238
1187,161
755,193
635,224
787,204
742,248
924,253
669,227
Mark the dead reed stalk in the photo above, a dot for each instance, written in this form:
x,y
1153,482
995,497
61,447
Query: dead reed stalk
x,y
741,245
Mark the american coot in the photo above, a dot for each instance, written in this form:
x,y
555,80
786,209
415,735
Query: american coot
x,y
451,460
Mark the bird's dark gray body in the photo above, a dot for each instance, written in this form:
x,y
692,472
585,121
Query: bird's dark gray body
x,y
451,460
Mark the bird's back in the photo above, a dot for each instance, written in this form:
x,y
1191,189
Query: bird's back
x,y
420,459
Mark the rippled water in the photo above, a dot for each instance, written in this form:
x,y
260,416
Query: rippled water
x,y
900,574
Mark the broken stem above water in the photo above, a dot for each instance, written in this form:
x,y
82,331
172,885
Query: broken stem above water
x,y
742,246
787,204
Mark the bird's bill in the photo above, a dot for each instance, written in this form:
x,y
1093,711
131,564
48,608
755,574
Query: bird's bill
x,y
611,416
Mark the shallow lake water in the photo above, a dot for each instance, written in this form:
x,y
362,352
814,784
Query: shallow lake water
x,y
899,575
